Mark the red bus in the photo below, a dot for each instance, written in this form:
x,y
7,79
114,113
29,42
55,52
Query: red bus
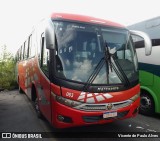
x,y
80,70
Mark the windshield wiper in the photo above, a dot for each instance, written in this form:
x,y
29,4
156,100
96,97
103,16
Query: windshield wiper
x,y
106,59
94,74
109,65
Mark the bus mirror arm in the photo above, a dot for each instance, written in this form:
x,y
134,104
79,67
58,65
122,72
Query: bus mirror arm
x,y
147,40
50,36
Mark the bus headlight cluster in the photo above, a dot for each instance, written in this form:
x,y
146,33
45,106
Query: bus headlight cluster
x,y
83,106
135,97
67,102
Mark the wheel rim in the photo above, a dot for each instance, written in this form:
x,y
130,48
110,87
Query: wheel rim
x,y
145,102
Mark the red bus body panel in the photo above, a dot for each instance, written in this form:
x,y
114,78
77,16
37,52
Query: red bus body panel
x,y
77,115
85,19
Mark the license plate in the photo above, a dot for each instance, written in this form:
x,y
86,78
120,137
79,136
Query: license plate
x,y
110,114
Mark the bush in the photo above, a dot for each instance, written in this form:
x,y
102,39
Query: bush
x,y
7,75
7,71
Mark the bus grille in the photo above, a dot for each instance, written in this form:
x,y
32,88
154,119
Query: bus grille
x,y
105,106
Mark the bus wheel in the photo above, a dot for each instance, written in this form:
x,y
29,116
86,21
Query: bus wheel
x,y
39,114
147,104
20,90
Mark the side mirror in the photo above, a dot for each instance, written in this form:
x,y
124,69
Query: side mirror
x,y
147,40
50,35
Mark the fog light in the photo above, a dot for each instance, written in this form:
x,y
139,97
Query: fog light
x,y
136,111
60,118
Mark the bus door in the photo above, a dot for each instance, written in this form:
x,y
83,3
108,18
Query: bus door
x,y
44,84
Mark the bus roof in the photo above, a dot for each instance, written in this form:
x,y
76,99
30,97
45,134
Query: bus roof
x,y
83,18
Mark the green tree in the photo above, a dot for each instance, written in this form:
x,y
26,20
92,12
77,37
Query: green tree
x,y
7,69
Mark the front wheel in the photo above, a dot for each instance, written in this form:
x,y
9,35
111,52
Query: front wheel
x,y
147,104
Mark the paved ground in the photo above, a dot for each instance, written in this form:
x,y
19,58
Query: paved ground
x,y
18,115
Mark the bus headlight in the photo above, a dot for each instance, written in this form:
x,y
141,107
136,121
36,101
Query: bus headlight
x,y
67,102
135,97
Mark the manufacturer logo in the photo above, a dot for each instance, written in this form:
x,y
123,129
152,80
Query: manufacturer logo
x,y
109,106
107,89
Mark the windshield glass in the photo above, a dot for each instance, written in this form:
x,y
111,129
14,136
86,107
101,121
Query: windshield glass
x,y
80,48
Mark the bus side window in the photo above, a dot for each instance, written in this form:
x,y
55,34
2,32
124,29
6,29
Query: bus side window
x,y
29,45
16,57
21,52
44,59
25,50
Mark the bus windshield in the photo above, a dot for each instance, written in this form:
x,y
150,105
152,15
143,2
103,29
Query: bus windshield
x,y
81,47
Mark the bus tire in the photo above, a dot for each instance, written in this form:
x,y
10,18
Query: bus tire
x,y
147,104
20,90
39,114
19,87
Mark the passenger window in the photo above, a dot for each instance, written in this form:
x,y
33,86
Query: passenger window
x,y
22,52
30,46
19,54
25,49
44,60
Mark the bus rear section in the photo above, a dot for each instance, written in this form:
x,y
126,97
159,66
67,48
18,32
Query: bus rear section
x,y
149,67
86,71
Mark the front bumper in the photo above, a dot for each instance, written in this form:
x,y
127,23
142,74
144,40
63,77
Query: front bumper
x,y
64,116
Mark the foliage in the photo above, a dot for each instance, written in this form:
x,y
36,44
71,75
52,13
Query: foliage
x,y
7,70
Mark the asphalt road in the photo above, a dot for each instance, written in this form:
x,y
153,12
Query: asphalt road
x,y
17,114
